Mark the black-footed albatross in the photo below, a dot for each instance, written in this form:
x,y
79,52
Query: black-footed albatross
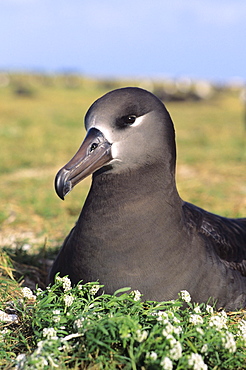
x,y
134,229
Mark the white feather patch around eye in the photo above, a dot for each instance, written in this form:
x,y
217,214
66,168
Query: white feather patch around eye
x,y
137,121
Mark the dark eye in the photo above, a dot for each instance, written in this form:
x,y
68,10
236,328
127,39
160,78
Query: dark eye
x,y
129,120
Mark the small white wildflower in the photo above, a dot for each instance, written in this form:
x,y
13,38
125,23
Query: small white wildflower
x,y
27,293
176,320
80,286
171,339
39,291
66,282
242,330
229,342
185,296
196,362
94,289
166,363
20,361
242,326
197,309
218,321
56,312
40,345
170,329
151,356
177,330
199,330
79,322
49,333
204,348
56,317
209,309
3,333
136,295
196,319
68,300
141,335
162,317
176,352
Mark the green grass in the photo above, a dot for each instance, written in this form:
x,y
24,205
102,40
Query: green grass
x,y
41,127
64,327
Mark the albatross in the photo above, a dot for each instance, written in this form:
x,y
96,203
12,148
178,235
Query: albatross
x,y
134,229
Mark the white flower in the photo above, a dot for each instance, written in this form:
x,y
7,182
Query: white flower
x,y
204,348
3,332
196,319
196,362
78,323
56,312
66,282
177,330
171,339
242,330
141,335
166,363
199,330
27,293
49,333
185,296
218,321
68,300
151,356
176,352
39,291
209,309
136,295
197,309
20,361
229,342
39,349
56,317
94,289
176,320
162,316
169,329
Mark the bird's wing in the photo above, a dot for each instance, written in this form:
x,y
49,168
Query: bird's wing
x,y
227,236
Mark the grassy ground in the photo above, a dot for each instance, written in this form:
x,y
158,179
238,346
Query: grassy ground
x,y
41,127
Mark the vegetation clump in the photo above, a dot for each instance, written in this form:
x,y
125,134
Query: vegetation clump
x,y
73,327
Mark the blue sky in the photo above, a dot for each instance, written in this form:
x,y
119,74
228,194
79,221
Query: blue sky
x,y
159,38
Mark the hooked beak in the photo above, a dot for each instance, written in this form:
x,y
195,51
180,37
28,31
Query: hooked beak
x,y
94,153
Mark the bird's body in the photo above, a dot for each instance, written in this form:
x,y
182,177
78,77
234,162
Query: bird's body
x,y
134,229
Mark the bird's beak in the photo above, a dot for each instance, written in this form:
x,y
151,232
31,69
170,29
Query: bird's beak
x,y
94,153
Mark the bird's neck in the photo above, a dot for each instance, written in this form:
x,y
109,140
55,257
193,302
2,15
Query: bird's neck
x,y
135,194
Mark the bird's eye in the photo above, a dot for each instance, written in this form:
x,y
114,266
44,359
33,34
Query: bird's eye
x,y
129,120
